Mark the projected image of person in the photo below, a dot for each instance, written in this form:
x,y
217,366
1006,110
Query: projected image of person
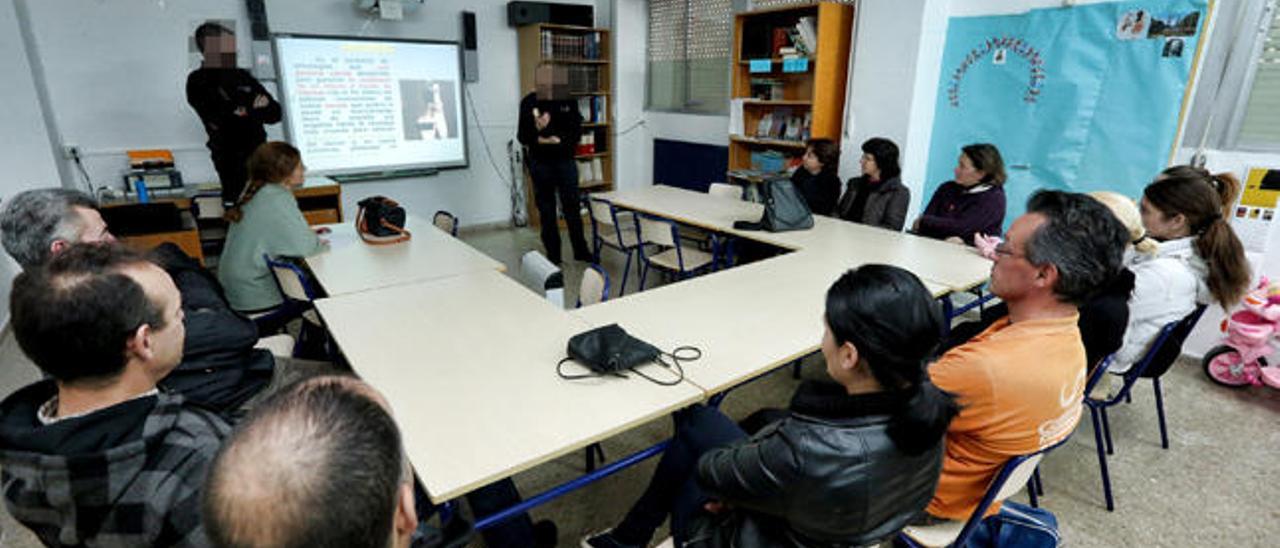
x,y
428,109
550,127
232,105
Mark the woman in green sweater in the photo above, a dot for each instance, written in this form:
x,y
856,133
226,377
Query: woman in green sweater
x,y
265,220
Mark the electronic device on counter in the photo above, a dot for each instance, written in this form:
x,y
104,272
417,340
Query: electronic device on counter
x,y
154,169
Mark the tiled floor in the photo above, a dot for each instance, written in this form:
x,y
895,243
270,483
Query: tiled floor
x,y
1210,488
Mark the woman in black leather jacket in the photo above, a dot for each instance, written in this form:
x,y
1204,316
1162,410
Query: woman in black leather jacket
x,y
849,464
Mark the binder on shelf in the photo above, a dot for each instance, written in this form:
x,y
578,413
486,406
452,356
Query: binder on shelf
x,y
736,126
808,34
597,170
762,127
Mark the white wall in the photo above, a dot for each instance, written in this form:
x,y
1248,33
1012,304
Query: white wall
x,y
25,147
116,72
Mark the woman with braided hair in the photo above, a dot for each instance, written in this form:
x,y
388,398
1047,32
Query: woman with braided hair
x,y
1198,258
265,220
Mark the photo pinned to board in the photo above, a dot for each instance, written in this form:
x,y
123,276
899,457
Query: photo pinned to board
x,y
1001,55
1172,48
1133,24
1184,24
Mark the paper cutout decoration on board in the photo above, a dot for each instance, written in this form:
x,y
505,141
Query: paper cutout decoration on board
x,y
1256,209
1001,45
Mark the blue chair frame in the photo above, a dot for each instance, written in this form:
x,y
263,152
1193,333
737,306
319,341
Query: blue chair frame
x,y
598,242
1172,333
989,498
291,308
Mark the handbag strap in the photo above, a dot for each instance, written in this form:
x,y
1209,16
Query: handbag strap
x,y
361,229
680,354
589,375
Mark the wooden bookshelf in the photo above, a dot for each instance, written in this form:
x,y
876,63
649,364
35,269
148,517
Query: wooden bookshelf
x,y
594,58
817,92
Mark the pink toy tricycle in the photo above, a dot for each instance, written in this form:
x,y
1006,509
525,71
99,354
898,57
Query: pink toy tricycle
x,y
1242,358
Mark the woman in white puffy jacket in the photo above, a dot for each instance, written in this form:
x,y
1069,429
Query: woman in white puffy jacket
x,y
1197,259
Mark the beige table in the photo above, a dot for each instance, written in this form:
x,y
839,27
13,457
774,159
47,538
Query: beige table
x,y
954,266
747,320
351,265
468,365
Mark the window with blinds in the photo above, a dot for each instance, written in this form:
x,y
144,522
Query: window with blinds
x,y
1261,124
688,53
764,4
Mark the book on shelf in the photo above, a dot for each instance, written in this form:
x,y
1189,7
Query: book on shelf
x,y
736,126
562,46
587,144
590,170
600,140
762,127
807,34
584,79
779,127
768,89
781,39
792,131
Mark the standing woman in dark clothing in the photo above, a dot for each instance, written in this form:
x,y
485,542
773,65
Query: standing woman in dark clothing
x,y
816,178
971,203
878,197
550,128
233,106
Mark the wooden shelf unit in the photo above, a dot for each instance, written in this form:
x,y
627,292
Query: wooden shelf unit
x,y
532,53
818,91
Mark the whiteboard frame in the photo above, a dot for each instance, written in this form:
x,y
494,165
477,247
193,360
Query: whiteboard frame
x,y
378,172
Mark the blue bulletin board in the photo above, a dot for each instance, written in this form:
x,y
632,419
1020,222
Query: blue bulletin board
x,y
1076,98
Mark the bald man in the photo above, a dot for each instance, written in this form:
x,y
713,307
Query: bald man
x,y
320,464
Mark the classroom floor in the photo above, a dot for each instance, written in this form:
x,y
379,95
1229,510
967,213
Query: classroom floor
x,y
1208,489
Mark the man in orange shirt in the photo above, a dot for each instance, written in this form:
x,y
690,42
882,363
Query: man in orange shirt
x,y
1020,383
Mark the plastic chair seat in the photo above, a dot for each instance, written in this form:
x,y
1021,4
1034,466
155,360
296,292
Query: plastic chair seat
x,y
936,535
669,259
279,345
610,234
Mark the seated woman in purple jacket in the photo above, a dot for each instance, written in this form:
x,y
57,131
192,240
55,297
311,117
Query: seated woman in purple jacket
x,y
973,202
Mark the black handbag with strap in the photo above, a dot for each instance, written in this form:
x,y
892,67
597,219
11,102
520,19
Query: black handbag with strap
x,y
610,351
381,220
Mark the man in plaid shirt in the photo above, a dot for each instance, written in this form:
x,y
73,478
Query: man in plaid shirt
x,y
96,455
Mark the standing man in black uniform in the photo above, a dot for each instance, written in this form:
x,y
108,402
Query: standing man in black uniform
x,y
550,127
233,106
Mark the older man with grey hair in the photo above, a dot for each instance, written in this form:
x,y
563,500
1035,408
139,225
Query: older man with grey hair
x,y
220,367
38,223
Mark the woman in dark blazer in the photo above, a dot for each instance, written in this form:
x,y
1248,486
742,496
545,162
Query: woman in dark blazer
x,y
878,197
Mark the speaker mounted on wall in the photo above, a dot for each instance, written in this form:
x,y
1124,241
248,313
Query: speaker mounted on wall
x,y
530,13
470,53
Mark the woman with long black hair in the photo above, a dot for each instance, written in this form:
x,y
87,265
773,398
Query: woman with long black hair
x,y
848,464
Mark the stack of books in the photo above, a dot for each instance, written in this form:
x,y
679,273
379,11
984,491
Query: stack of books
x,y
570,46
